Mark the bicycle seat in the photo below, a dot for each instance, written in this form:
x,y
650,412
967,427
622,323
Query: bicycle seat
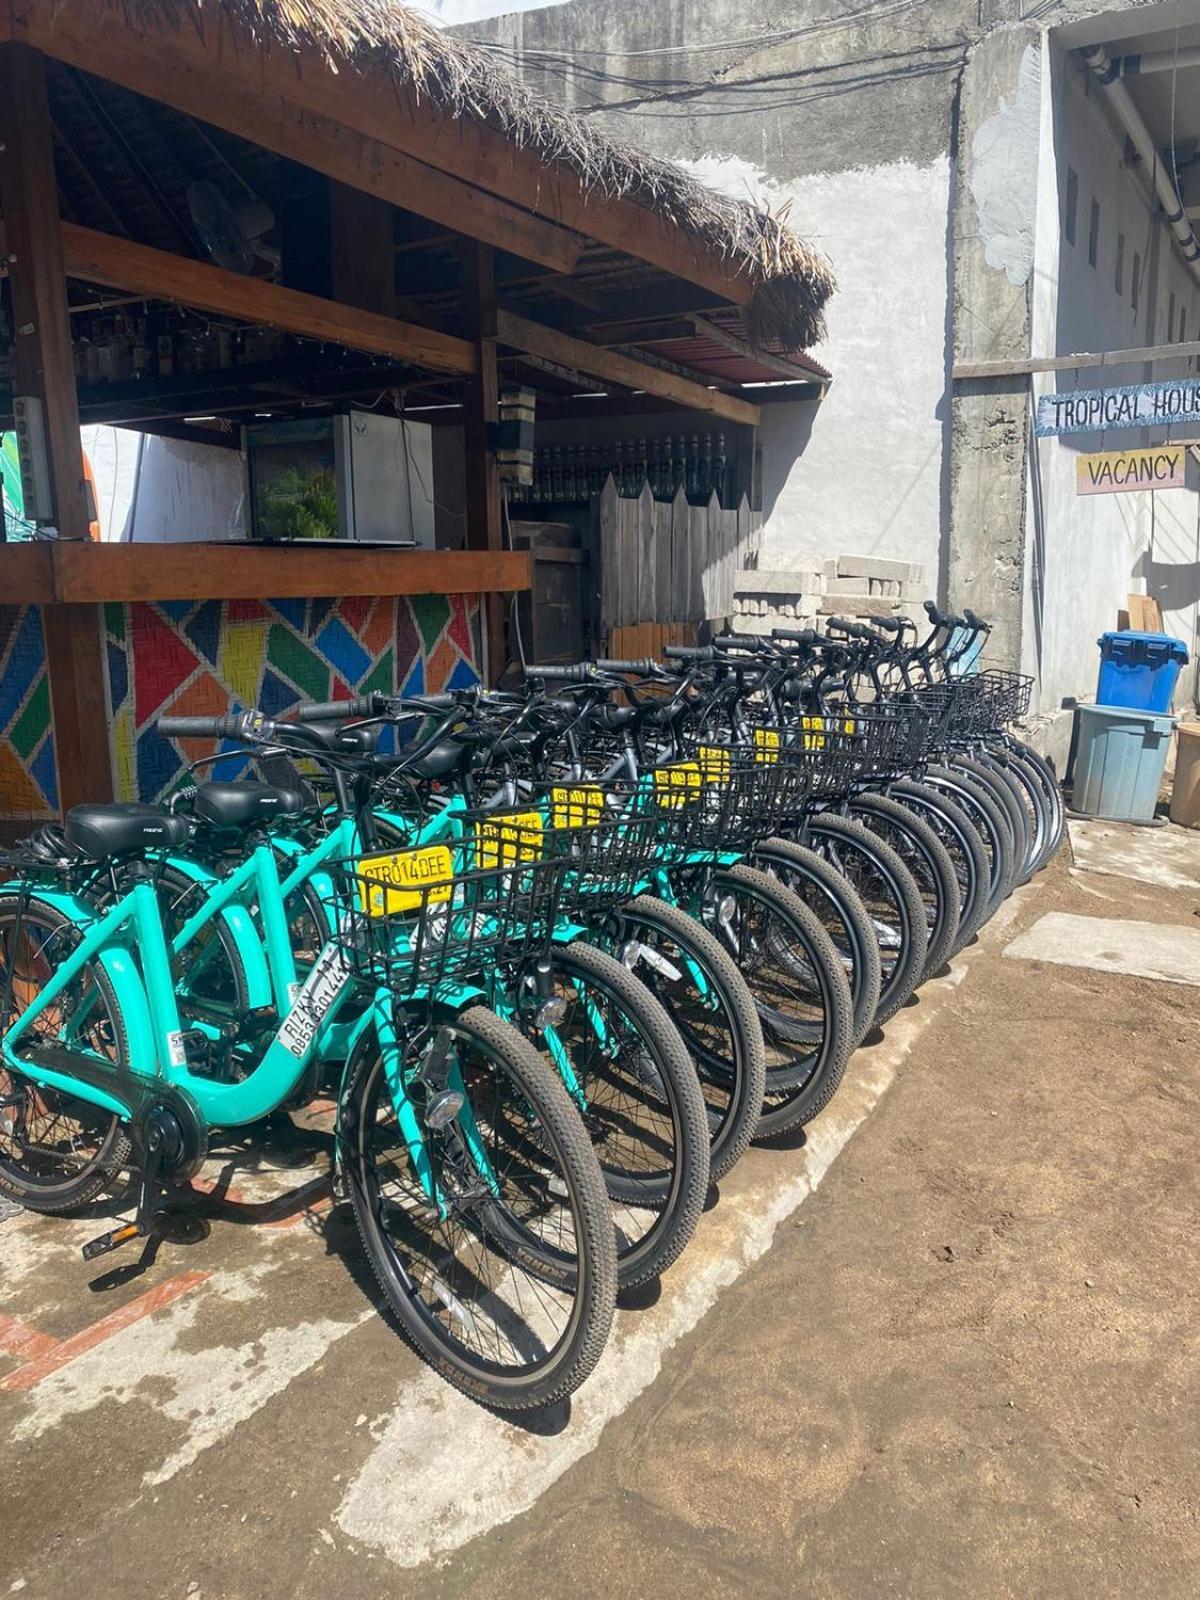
x,y
102,831
447,756
614,717
362,737
242,805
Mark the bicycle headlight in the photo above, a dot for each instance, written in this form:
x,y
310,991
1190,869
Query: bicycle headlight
x,y
443,1108
726,908
550,1013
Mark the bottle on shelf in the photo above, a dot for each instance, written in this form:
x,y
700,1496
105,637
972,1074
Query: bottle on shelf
x,y
719,469
704,475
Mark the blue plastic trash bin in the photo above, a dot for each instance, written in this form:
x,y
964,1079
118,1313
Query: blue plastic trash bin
x,y
1139,669
1120,755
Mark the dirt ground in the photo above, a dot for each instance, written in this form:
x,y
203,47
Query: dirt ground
x,y
967,1364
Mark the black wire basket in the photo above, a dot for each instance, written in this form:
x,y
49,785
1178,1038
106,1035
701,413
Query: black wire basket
x,y
420,919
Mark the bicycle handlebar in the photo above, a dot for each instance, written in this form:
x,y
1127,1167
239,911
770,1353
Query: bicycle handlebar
x,y
645,668
232,725
796,635
689,652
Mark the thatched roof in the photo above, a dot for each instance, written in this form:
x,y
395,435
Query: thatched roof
x,y
792,282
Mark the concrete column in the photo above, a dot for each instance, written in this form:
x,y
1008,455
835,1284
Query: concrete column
x,y
994,236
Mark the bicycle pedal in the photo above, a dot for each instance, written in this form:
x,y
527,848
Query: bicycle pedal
x,y
113,1240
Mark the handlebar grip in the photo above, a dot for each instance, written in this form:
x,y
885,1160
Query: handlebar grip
x,y
365,705
740,641
581,673
644,668
795,635
890,624
975,622
689,652
229,726
435,702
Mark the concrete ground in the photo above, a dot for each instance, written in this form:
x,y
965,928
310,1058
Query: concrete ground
x,y
960,1359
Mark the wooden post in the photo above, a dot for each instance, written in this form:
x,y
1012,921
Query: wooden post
x,y
44,367
481,407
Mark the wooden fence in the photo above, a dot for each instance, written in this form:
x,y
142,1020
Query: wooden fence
x,y
667,564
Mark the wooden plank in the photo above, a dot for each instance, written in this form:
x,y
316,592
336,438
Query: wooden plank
x,y
698,562
614,367
647,555
121,264
41,329
663,552
680,591
481,411
26,574
95,572
225,87
361,228
78,700
965,371
609,574
221,59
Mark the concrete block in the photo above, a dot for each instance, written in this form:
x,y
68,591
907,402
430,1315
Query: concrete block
x,y
784,580
847,586
877,567
859,605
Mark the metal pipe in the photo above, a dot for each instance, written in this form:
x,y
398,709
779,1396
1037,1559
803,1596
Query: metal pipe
x,y
1102,65
1136,66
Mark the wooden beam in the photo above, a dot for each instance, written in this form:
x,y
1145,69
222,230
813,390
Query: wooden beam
x,y
216,86
121,264
32,242
44,367
481,410
363,250
614,367
965,371
780,365
72,575
208,67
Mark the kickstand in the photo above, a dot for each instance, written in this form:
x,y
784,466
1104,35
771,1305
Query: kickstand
x,y
161,1147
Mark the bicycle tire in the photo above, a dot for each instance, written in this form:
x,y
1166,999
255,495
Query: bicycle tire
x,y
62,1197
796,1090
1052,792
897,894
588,1274
733,1088
929,862
674,1199
961,838
1007,792
842,914
992,821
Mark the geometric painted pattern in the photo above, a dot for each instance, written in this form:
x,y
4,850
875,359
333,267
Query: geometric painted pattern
x,y
28,771
200,658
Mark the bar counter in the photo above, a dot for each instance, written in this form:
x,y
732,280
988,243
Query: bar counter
x,y
97,641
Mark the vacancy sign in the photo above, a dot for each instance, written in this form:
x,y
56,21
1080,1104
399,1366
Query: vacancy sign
x,y
1120,471
1143,405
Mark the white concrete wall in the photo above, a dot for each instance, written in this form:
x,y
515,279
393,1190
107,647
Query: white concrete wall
x,y
1086,553
861,472
172,491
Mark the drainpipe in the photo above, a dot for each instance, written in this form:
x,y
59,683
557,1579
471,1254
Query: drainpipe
x,y
1154,61
1108,75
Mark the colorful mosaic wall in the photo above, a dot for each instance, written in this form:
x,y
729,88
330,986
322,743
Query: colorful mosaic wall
x,y
28,774
191,659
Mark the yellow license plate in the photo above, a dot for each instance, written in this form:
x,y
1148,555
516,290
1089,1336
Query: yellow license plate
x,y
509,840
406,880
677,785
766,746
576,808
714,763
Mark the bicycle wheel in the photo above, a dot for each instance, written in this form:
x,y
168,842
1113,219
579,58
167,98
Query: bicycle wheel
x,y
927,858
892,898
642,1104
841,913
991,821
1007,794
966,850
1051,793
508,1287
800,990
56,1153
209,970
1037,806
700,988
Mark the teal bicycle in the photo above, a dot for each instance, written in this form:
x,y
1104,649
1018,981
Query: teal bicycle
x,y
476,1191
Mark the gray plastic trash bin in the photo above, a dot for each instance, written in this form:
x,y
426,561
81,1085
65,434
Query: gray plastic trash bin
x,y
1119,760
